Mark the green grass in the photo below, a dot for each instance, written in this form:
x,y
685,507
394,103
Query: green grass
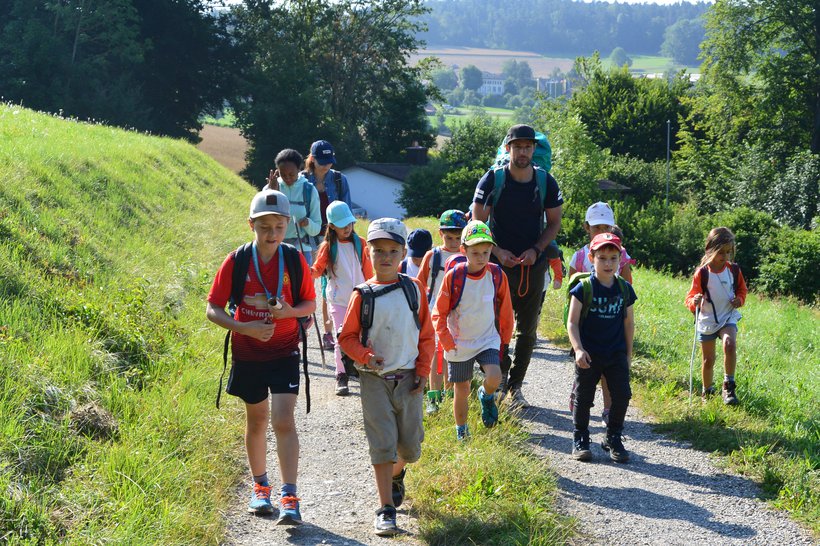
x,y
227,119
462,113
774,435
654,64
491,490
109,243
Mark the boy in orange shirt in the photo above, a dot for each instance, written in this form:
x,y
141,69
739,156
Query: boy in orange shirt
x,y
467,329
393,354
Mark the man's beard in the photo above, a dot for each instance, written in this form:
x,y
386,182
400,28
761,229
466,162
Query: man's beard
x,y
522,162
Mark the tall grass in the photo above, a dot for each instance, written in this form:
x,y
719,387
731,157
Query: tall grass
x,y
774,435
108,243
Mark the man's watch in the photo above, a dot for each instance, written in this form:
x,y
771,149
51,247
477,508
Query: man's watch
x,y
537,251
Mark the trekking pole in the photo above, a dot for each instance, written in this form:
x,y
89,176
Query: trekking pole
x,y
313,315
692,358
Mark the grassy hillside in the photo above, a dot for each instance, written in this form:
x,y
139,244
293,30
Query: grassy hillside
x,y
774,435
108,243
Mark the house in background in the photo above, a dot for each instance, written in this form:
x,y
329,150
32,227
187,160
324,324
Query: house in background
x,y
375,187
491,84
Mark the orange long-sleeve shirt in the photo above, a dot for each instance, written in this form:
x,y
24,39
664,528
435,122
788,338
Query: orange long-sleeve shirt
x,y
426,263
350,337
557,269
442,309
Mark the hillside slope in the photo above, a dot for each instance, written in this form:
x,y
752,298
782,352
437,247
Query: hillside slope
x,y
108,243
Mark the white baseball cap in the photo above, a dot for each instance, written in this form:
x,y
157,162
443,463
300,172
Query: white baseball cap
x,y
269,202
387,228
600,214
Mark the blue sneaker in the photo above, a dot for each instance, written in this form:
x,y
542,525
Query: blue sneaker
x,y
489,411
260,499
289,512
462,433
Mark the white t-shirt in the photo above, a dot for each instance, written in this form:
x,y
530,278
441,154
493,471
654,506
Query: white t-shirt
x,y
722,291
472,323
348,274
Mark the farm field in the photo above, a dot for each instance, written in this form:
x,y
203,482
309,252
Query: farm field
x,y
491,60
225,144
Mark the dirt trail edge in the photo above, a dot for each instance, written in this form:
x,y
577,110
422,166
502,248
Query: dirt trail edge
x,y
667,494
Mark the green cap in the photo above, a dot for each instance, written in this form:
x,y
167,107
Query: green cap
x,y
452,219
476,232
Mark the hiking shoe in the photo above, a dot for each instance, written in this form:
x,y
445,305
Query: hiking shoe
x,y
729,397
517,400
462,433
385,523
489,411
327,341
707,393
398,488
615,446
260,499
502,387
605,417
341,384
580,446
289,512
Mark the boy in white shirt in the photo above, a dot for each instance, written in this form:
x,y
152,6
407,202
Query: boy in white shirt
x,y
473,319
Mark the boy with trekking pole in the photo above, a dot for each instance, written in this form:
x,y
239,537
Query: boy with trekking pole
x,y
474,320
601,328
269,288
388,334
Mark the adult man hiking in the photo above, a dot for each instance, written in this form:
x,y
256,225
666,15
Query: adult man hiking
x,y
516,217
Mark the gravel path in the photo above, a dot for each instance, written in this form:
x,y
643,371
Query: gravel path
x,y
667,494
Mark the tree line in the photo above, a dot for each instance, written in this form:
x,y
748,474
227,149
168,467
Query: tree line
x,y
563,27
292,71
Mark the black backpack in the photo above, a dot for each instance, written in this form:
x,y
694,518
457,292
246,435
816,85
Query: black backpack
x,y
293,265
369,293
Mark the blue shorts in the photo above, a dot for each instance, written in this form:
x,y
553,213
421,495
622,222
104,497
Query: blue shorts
x,y
712,337
251,381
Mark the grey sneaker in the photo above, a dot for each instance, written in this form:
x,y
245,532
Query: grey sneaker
x,y
517,400
342,384
501,391
385,523
580,446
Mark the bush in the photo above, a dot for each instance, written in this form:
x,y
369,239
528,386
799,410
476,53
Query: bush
x,y
753,230
646,180
793,197
791,268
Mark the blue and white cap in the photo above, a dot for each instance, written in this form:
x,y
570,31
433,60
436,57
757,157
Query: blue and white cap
x,y
387,228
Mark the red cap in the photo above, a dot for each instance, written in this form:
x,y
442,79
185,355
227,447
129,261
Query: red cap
x,y
603,239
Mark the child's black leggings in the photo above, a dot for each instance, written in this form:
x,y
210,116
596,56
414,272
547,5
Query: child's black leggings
x,y
613,366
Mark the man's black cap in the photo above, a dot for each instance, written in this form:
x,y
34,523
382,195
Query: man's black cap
x,y
520,132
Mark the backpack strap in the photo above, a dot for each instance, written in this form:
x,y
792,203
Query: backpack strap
x,y
241,264
435,267
586,289
412,297
735,269
457,282
624,292
498,184
337,180
403,266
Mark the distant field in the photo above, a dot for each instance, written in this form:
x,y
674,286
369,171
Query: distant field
x,y
655,63
491,60
225,144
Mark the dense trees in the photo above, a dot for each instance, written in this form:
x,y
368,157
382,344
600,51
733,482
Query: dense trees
x,y
329,69
555,26
155,65
681,41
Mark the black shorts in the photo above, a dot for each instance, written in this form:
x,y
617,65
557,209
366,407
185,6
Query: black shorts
x,y
251,381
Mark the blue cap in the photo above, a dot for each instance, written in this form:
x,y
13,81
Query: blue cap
x,y
338,214
322,152
418,243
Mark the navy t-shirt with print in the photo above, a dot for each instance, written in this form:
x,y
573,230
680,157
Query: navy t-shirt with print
x,y
518,214
602,331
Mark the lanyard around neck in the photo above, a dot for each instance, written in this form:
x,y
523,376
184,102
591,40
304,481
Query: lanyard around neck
x,y
259,271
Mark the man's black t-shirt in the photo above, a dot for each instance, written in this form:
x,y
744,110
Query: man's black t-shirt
x,y
518,215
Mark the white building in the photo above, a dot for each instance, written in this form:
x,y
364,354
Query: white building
x,y
375,187
491,84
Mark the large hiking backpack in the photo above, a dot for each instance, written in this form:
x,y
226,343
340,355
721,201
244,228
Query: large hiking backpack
x,y
542,156
585,278
369,293
293,265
